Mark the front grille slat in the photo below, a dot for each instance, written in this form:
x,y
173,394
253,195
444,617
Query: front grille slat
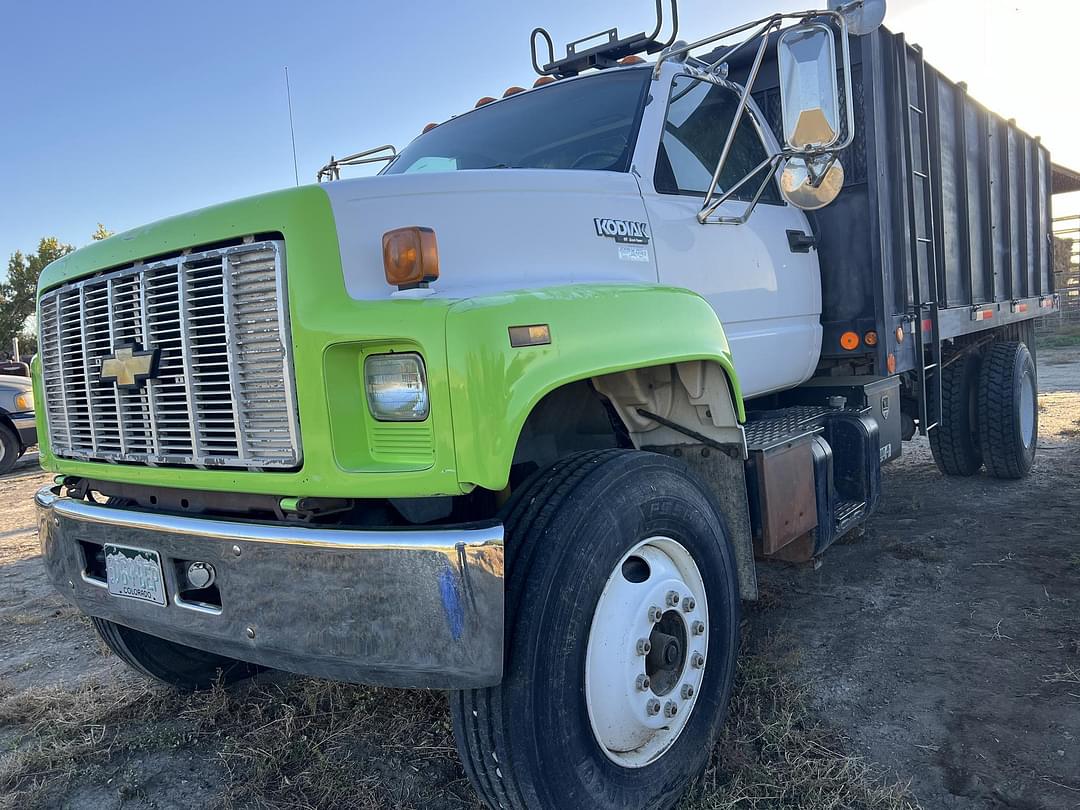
x,y
223,394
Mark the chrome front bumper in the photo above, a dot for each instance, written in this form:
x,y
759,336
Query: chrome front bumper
x,y
393,607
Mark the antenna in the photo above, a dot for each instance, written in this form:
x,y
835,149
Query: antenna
x,y
292,131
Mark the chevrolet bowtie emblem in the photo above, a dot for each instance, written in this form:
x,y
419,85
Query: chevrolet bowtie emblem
x,y
129,367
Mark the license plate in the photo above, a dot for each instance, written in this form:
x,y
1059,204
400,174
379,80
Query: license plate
x,y
134,573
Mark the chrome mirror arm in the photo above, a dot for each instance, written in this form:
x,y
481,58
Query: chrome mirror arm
x,y
733,129
763,28
769,166
332,170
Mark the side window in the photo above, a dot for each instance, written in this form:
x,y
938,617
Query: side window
x,y
698,118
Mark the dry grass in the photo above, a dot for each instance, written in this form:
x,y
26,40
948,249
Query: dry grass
x,y
775,754
304,744
295,743
62,734
1069,675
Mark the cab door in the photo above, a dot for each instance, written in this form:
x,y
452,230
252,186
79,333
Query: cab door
x,y
764,286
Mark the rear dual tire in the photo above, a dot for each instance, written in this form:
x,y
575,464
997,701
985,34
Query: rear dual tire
x,y
955,441
990,413
593,543
1008,410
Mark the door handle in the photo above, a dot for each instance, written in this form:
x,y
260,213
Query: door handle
x,y
800,242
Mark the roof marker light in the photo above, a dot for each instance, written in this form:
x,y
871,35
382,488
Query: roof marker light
x,y
513,91
544,80
410,257
484,100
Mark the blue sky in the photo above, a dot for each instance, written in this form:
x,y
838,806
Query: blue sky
x,y
124,112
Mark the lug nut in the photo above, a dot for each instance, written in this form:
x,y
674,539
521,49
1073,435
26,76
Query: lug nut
x,y
643,646
697,660
688,604
687,691
653,707
655,614
642,682
671,708
672,598
697,628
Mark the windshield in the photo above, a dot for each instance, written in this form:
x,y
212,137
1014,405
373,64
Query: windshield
x,y
588,123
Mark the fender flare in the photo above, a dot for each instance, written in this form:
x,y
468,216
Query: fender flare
x,y
595,331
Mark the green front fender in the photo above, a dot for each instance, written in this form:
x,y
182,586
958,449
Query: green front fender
x,y
595,330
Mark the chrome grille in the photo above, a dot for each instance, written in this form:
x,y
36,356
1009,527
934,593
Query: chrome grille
x,y
222,394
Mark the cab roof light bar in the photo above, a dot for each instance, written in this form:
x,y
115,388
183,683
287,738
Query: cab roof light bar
x,y
607,53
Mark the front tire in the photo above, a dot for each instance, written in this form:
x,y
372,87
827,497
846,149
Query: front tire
x,y
1008,410
603,550
186,668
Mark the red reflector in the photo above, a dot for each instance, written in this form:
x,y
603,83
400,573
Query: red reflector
x,y
927,325
1021,307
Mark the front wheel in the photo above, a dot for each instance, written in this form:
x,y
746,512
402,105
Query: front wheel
x,y
622,625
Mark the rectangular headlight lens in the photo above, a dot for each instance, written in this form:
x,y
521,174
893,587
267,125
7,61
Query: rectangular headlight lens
x,y
24,401
396,387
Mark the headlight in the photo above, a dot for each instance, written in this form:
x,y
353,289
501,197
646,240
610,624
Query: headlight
x,y
396,387
24,401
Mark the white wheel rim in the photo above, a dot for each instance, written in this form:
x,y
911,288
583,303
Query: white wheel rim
x,y
1027,410
634,722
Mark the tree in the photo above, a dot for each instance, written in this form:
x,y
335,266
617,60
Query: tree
x,y
101,233
18,293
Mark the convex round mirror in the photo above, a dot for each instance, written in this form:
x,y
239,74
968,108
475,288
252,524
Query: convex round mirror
x,y
809,94
812,183
862,16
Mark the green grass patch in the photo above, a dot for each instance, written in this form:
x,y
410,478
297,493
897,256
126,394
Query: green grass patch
x,y
1065,338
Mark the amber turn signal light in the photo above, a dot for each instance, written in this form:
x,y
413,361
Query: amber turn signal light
x,y
410,256
870,338
849,341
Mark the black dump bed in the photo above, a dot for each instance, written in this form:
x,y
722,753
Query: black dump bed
x,y
970,230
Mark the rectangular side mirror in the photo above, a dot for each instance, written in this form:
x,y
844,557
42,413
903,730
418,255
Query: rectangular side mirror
x,y
809,94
